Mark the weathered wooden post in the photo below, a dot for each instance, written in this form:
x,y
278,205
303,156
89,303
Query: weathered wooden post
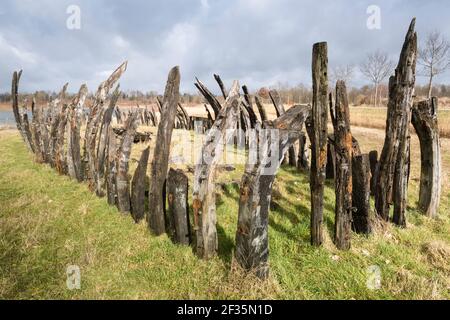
x,y
212,100
58,147
22,127
392,180
123,158
424,119
178,213
361,194
74,165
57,111
221,85
138,185
261,109
92,126
103,143
35,133
290,157
111,167
343,151
318,135
204,196
374,167
330,171
269,146
302,162
160,163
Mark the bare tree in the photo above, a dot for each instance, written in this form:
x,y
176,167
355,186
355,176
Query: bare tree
x,y
434,57
377,68
344,73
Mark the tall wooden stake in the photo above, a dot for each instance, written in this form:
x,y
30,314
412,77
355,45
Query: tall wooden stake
x,y
318,135
424,119
392,180
160,163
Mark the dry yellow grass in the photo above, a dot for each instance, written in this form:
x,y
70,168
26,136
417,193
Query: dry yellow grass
x,y
371,117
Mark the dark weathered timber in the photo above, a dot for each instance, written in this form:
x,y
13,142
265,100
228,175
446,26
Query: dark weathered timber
x,y
331,160
221,85
374,167
59,156
210,98
204,196
21,126
74,165
178,213
392,179
277,103
318,135
118,115
92,126
303,159
123,158
362,221
290,157
138,187
185,115
269,147
425,121
111,168
57,110
36,131
103,142
159,104
249,106
160,162
261,109
343,151
210,118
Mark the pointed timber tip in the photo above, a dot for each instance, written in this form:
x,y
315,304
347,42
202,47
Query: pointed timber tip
x,y
413,23
124,65
320,44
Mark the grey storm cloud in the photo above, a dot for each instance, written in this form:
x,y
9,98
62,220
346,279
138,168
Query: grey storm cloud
x,y
259,42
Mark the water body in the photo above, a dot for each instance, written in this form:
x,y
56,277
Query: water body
x,y
7,118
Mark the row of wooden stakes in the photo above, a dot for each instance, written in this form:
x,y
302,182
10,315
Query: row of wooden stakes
x,y
54,135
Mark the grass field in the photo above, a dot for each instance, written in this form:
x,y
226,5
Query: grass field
x,y
48,222
371,117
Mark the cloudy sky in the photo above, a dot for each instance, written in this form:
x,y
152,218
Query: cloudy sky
x,y
259,42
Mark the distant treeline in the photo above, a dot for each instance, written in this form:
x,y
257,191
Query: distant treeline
x,y
289,94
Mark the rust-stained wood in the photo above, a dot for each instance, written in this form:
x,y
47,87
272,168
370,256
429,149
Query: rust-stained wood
x,y
178,213
318,135
204,179
138,187
160,162
392,180
123,158
425,121
343,152
268,148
